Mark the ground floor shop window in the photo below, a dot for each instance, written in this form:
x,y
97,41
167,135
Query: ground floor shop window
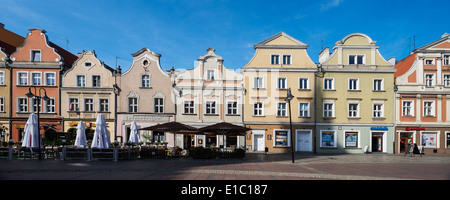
x,y
281,138
448,140
327,139
351,139
429,139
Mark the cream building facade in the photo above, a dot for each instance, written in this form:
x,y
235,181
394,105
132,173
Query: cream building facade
x,y
280,62
145,97
86,91
207,94
355,98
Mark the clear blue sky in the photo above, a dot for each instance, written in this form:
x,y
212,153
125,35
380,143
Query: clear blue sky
x,y
181,31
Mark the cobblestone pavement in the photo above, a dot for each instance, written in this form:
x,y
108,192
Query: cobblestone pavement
x,y
256,166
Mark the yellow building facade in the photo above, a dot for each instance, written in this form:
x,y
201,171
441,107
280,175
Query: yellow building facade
x,y
4,97
355,98
280,63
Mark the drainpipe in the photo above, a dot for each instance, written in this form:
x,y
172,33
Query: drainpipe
x,y
8,61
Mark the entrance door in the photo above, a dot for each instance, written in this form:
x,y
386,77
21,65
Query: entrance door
x,y
377,143
303,139
405,139
259,143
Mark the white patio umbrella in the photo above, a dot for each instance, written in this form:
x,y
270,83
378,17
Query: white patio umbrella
x,y
134,136
80,140
32,136
101,136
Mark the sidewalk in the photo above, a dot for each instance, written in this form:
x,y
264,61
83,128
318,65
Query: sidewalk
x,y
256,166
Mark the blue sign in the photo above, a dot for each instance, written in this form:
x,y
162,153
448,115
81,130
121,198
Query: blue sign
x,y
379,128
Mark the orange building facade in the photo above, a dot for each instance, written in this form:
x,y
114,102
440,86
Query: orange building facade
x,y
423,98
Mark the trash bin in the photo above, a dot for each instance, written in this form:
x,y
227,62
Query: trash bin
x,y
266,149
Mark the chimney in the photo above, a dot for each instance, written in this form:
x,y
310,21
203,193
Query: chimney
x,y
324,54
2,25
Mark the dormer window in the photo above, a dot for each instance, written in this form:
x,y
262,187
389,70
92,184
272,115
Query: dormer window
x,y
35,55
145,63
210,74
356,60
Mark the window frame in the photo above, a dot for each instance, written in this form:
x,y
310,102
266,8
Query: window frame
x,y
21,105
432,80
302,81
355,112
355,60
211,105
258,84
133,107
87,104
289,59
233,108
326,110
98,83
282,112
411,107
33,55
190,106
350,85
331,79
145,81
432,108
158,108
259,110
284,82
374,88
102,107
277,60
302,112
47,78
78,80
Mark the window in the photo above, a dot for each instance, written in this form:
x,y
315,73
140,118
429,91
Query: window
x,y
50,79
378,110
428,108
159,105
281,109
87,64
258,82
303,83
378,85
232,108
96,81
356,60
2,104
429,80
448,140
407,108
50,106
36,78
132,105
282,138
351,139
258,109
328,109
189,107
446,60
146,81
429,61
23,104
282,83
36,105
286,59
328,84
104,105
73,104
303,110
88,105
353,110
81,80
2,78
210,74
35,55
23,78
328,139
447,80
210,107
353,84
429,139
275,59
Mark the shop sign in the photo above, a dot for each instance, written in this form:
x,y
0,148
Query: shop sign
x,y
414,129
379,128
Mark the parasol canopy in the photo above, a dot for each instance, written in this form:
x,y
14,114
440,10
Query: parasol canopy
x,y
134,136
32,135
101,136
80,140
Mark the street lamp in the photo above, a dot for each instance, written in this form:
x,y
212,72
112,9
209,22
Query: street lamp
x,y
38,97
289,97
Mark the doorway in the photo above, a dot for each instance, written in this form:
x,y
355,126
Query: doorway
x,y
304,140
405,139
377,142
259,143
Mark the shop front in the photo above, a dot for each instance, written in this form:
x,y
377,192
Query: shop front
x,y
143,120
354,139
277,138
432,140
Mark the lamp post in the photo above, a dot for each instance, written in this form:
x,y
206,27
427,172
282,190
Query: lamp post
x,y
38,97
289,97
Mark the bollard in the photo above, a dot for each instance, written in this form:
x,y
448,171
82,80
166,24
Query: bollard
x,y
115,154
10,153
89,154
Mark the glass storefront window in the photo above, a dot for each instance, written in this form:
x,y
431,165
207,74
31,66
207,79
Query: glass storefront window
x,y
328,139
281,138
351,139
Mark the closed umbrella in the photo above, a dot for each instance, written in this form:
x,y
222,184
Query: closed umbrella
x,y
101,136
80,140
32,136
134,136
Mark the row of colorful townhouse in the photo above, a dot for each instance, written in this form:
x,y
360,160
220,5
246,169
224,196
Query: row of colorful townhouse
x,y
352,101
